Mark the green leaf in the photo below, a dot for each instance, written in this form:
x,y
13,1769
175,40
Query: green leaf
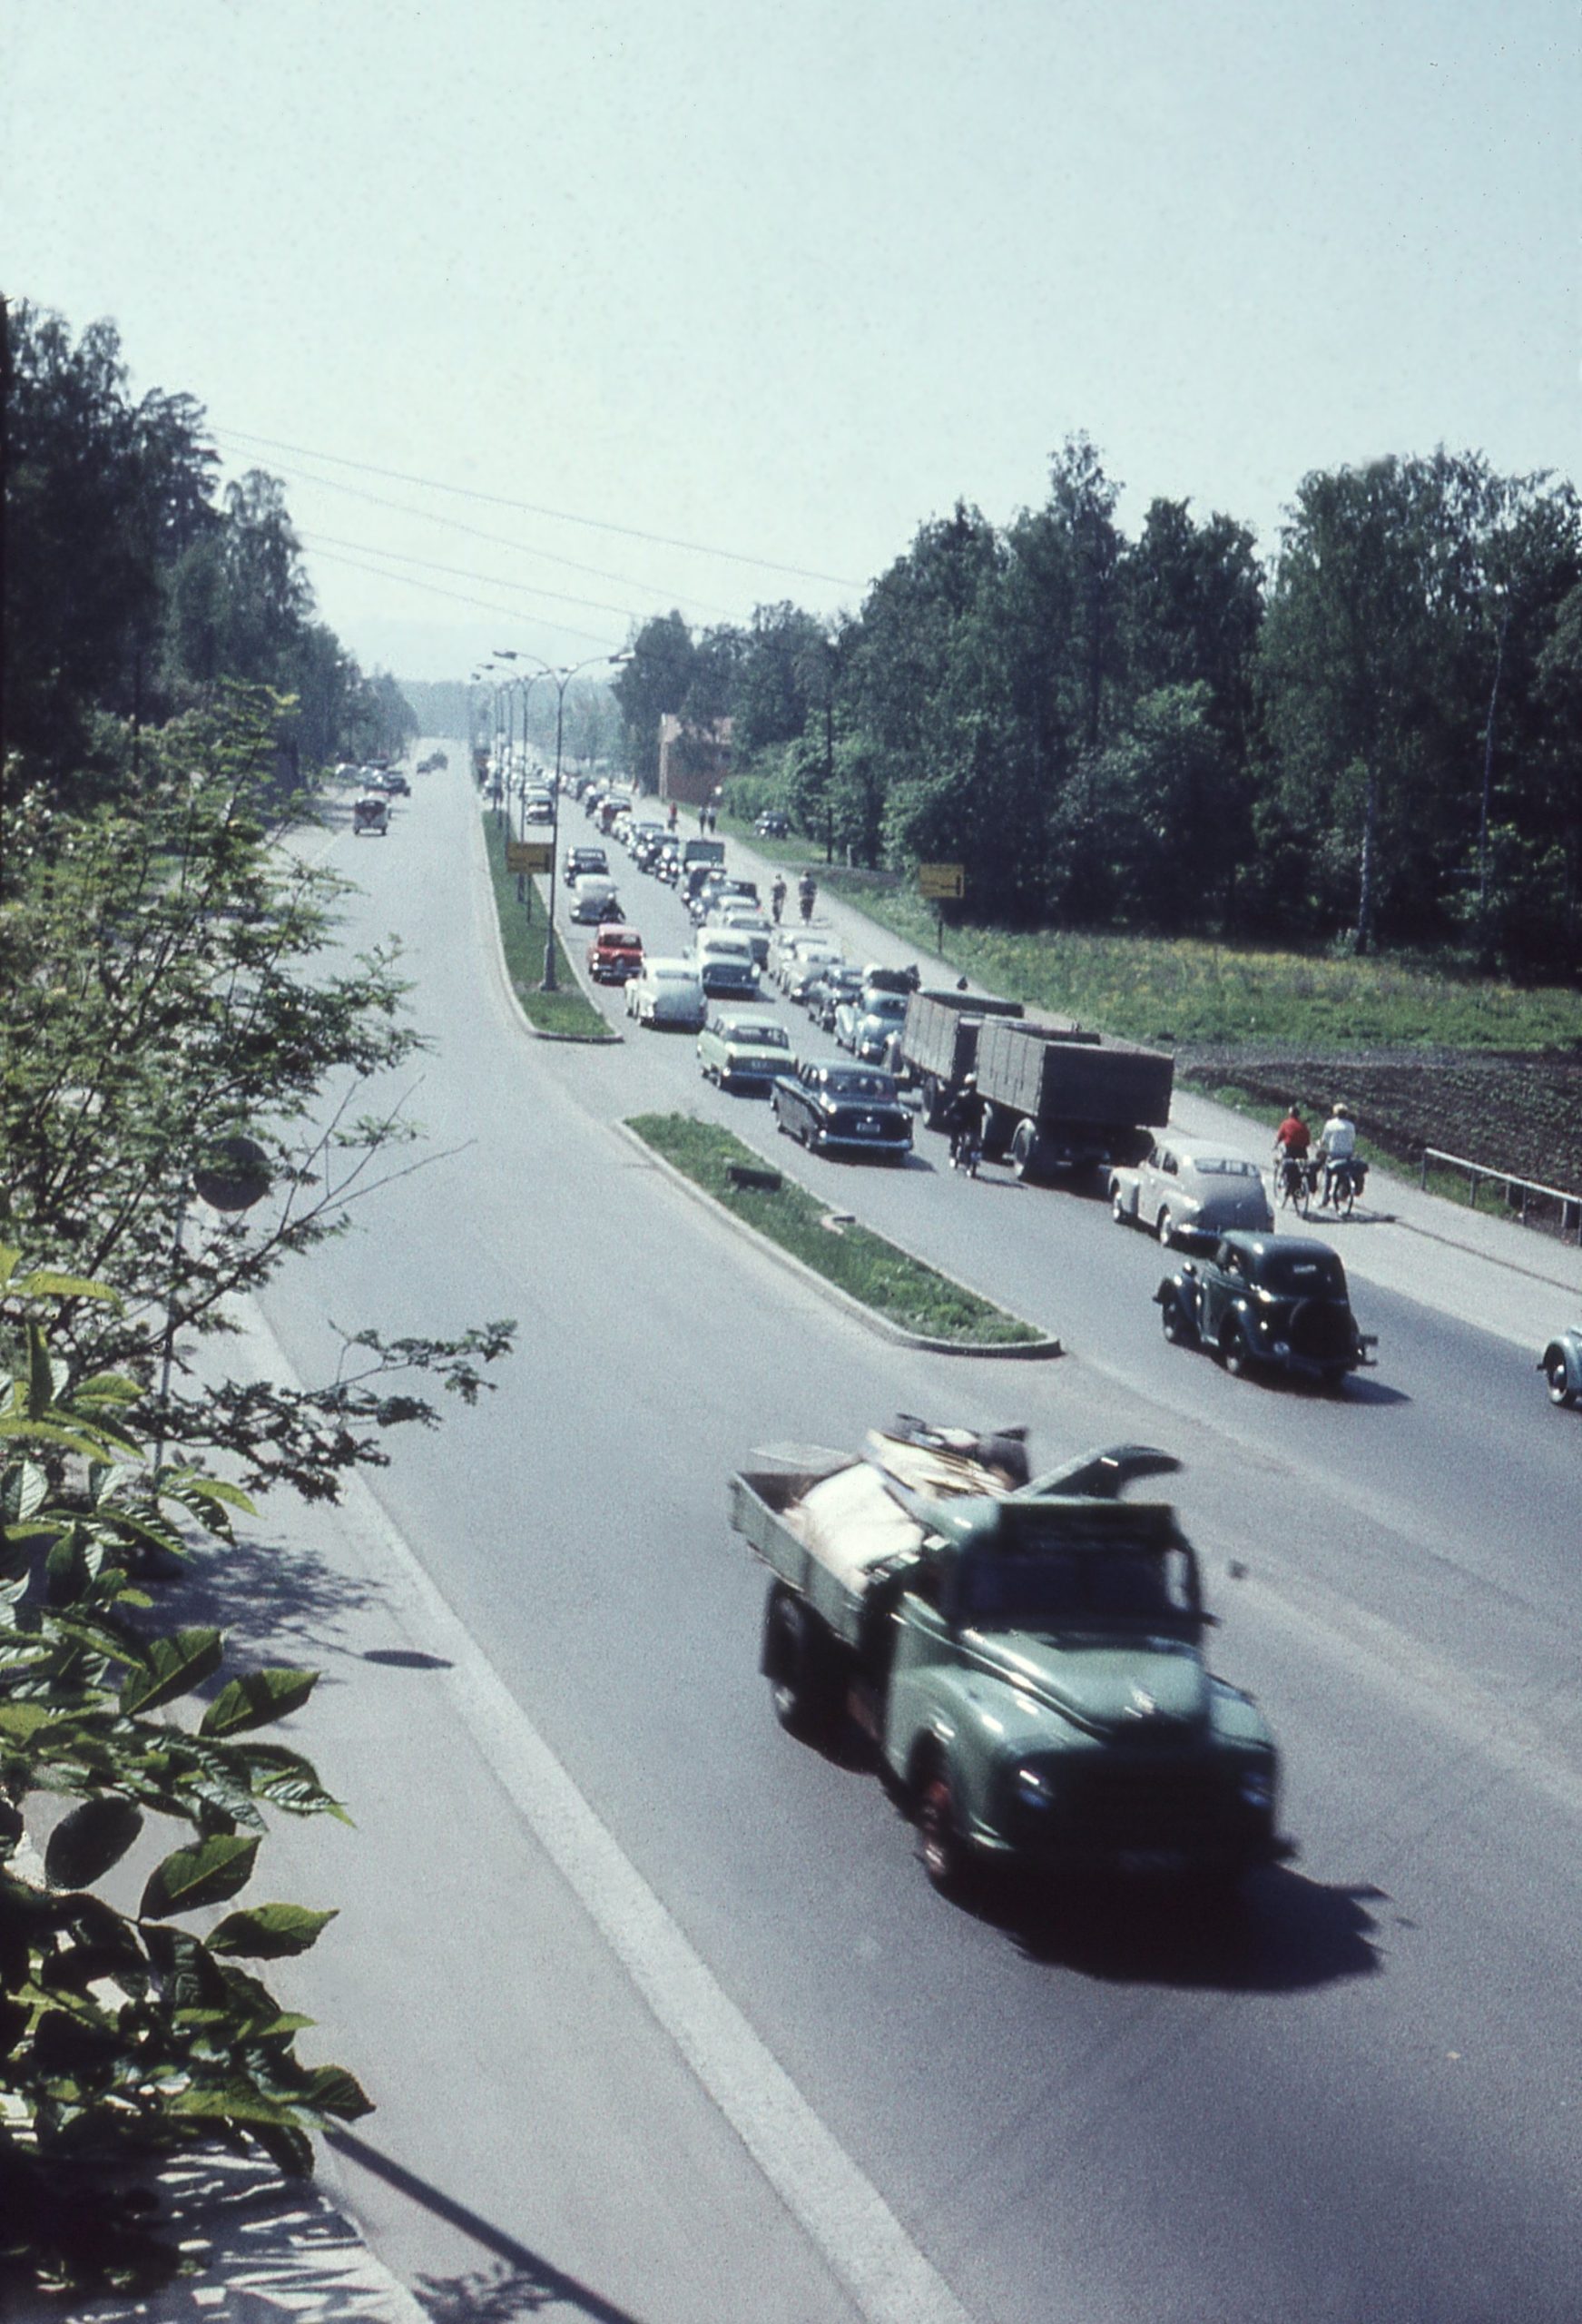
x,y
175,1666
206,1874
257,1698
332,2091
87,1843
24,1492
43,1284
269,1932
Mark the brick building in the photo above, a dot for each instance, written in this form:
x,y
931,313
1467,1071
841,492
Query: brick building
x,y
693,760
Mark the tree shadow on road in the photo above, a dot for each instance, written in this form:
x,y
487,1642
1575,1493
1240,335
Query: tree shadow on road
x,y
274,1600
521,2283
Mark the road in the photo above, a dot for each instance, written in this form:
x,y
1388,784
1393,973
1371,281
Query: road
x,y
1359,2105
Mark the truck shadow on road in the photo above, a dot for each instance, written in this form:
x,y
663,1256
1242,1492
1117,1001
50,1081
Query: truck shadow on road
x,y
1283,1934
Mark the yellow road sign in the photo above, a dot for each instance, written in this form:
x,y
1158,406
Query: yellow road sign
x,y
941,880
528,855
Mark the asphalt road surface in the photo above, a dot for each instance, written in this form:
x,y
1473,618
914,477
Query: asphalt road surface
x,y
1358,2103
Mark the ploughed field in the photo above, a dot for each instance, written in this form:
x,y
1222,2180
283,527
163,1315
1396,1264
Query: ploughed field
x,y
1516,1113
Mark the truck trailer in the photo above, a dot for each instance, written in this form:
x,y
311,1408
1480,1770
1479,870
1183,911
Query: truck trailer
x,y
938,1043
1058,1098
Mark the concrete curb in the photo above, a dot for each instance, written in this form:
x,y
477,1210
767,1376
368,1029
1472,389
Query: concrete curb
x,y
1035,1351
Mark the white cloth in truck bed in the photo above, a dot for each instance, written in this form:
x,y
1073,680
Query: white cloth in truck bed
x,y
851,1522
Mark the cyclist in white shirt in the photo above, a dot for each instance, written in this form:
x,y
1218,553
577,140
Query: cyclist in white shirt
x,y
1337,1142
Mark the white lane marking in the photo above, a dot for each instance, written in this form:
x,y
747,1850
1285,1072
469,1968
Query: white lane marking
x,y
837,2206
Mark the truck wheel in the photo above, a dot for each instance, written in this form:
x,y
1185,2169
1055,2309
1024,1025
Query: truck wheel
x,y
946,1857
797,1666
1025,1152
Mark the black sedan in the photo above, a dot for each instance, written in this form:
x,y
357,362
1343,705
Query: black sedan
x,y
842,1108
1278,1301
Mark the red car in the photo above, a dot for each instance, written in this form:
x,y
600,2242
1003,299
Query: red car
x,y
615,954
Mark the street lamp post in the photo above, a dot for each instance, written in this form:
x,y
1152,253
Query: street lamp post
x,y
561,679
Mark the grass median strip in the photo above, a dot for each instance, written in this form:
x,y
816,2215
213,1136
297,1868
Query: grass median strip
x,y
569,1010
855,1260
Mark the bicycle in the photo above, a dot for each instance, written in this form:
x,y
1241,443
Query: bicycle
x,y
1296,1179
1347,1180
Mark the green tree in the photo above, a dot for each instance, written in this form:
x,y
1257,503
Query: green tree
x,y
164,985
652,684
124,2030
102,495
1358,656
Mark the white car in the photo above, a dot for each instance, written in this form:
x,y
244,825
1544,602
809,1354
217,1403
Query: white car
x,y
734,1048
1191,1181
596,898
725,966
667,992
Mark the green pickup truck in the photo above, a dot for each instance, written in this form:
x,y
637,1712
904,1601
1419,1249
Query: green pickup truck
x,y
1026,1654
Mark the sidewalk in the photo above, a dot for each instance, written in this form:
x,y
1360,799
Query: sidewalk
x,y
1501,1277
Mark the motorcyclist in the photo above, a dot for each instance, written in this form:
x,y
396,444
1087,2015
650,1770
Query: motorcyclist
x,y
1337,1144
777,898
807,893
963,1120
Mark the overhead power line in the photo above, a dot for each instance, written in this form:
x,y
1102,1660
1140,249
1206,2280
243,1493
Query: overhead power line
x,y
437,590
460,573
498,540
536,509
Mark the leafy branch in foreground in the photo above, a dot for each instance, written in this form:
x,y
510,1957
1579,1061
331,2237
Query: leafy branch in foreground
x,y
169,981
123,2029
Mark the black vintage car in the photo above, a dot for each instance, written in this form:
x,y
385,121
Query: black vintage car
x,y
1255,1300
844,1108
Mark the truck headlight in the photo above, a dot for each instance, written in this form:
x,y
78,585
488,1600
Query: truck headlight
x,y
1257,1789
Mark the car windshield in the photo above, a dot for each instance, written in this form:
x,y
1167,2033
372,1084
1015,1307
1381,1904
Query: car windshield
x,y
762,1036
1314,1275
885,1004
1129,1583
671,976
1221,1165
842,1082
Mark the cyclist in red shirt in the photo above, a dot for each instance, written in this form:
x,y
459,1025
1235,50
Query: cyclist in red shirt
x,y
1292,1148
1294,1137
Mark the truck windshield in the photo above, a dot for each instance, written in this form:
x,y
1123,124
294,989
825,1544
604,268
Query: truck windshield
x,y
1142,1585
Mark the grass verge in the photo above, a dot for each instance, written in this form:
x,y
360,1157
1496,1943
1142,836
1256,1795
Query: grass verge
x,y
569,1010
894,1284
1188,991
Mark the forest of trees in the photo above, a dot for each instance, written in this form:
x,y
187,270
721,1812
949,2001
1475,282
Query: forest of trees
x,y
134,590
1374,739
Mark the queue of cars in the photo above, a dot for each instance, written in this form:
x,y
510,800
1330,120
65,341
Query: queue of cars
x,y
1253,1300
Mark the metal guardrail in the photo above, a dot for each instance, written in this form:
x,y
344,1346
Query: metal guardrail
x,y
1518,1192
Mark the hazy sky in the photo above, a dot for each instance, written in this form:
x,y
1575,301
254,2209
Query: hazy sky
x,y
773,282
